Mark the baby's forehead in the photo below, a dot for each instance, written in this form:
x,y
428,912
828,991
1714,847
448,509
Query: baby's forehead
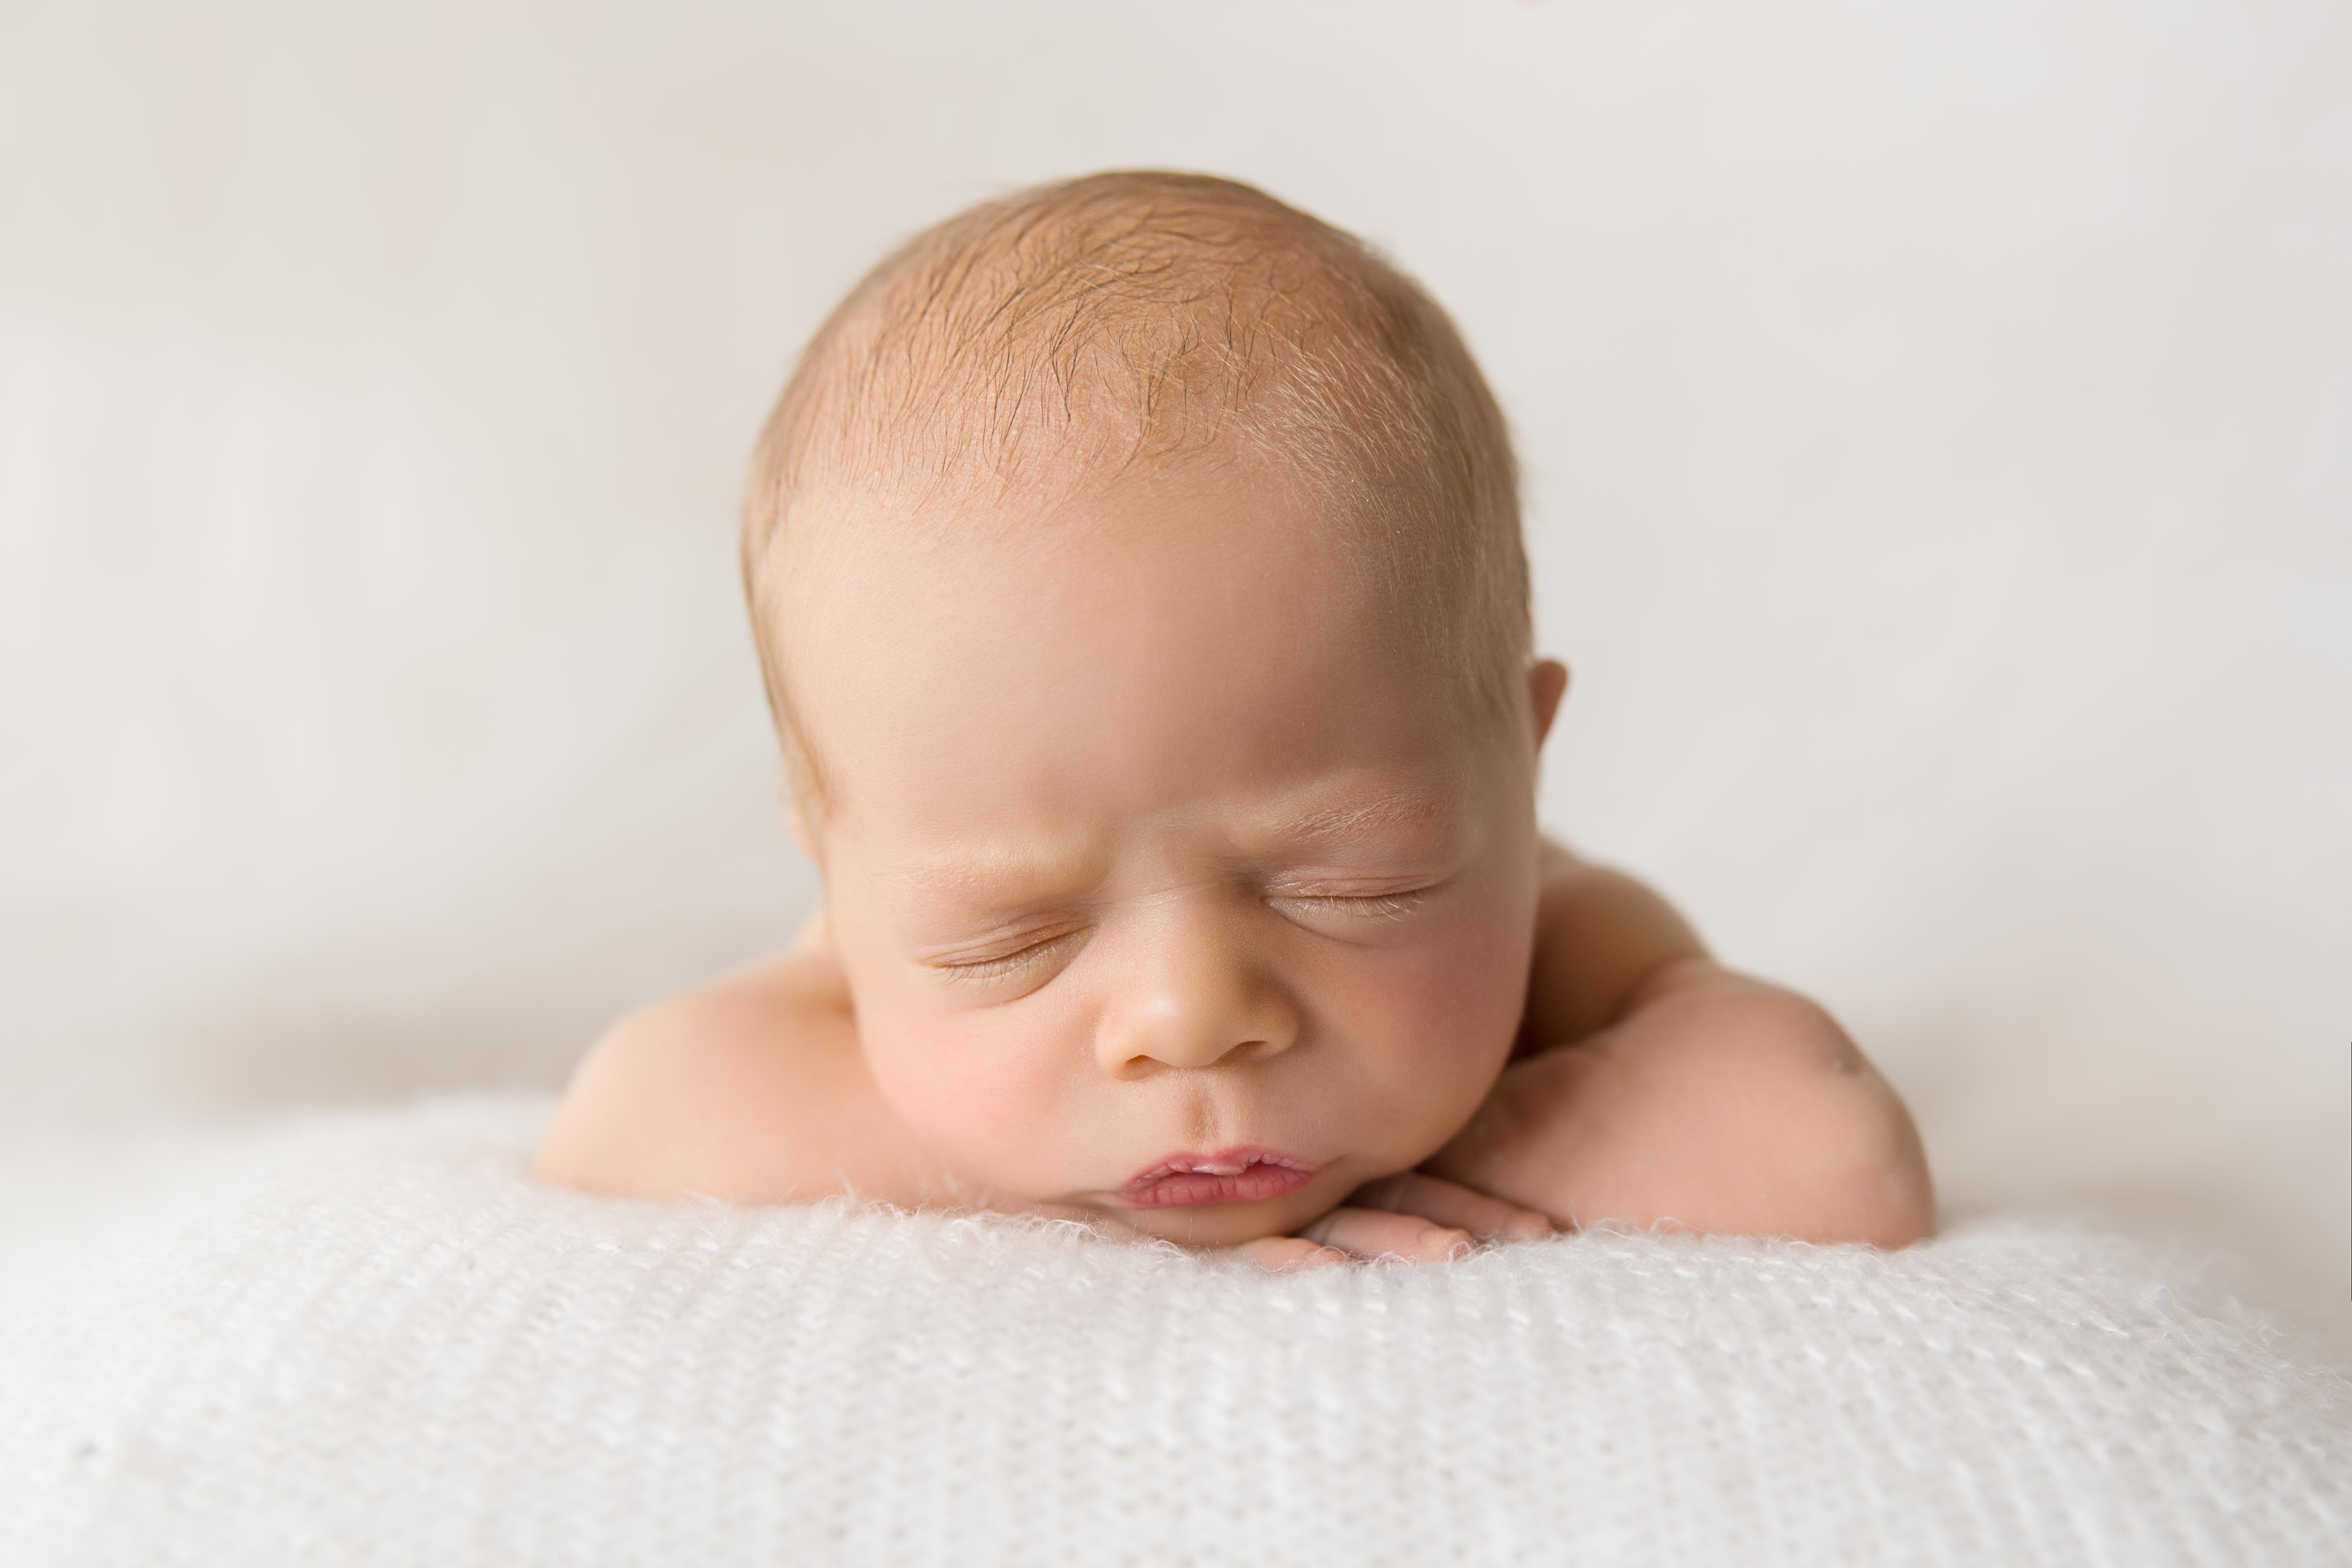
x,y
1188,621
998,548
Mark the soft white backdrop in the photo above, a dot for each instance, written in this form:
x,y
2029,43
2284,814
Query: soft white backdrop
x,y
1938,432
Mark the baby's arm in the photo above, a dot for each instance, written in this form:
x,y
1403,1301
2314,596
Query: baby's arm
x,y
1667,1088
750,1090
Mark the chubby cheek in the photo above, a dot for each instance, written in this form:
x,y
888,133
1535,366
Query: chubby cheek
x,y
1433,1025
976,1089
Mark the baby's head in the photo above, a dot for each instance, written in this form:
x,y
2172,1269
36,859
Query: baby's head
x,y
1135,566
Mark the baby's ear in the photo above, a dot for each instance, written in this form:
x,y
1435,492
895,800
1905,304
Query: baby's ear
x,y
1547,684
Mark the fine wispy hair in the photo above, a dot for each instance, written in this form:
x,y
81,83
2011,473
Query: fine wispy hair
x,y
1061,336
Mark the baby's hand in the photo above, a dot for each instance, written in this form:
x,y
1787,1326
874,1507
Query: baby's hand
x,y
1424,1219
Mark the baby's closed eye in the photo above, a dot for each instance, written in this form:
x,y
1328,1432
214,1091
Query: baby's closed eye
x,y
996,965
1377,906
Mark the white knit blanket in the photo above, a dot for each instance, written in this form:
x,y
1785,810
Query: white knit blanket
x,y
372,1340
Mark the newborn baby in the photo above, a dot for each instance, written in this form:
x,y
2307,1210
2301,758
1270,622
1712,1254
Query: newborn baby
x,y
1135,566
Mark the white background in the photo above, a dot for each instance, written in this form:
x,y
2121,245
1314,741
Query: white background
x,y
1937,423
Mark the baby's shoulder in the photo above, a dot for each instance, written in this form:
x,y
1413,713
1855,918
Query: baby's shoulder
x,y
750,1089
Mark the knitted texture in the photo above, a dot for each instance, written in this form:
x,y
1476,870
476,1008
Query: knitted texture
x,y
372,1340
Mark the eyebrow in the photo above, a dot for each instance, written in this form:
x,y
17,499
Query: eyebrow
x,y
982,866
1400,808
966,870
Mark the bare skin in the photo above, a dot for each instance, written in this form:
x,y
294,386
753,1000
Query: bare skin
x,y
1677,1092
1146,836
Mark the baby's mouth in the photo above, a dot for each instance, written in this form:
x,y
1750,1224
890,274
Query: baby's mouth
x,y
1227,1177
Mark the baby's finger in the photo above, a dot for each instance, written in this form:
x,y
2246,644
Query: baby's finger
x,y
1380,1233
1288,1254
1451,1203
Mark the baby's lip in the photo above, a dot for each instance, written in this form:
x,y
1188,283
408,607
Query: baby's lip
x,y
1246,1175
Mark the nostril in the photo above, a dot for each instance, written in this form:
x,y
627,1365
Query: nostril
x,y
1190,1049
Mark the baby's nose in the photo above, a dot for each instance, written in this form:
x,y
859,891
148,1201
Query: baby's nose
x,y
1194,998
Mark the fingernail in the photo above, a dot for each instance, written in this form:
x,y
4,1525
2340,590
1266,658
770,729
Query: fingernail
x,y
1456,1249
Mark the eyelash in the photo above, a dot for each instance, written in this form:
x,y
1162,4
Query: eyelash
x,y
997,968
1376,906
1379,906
